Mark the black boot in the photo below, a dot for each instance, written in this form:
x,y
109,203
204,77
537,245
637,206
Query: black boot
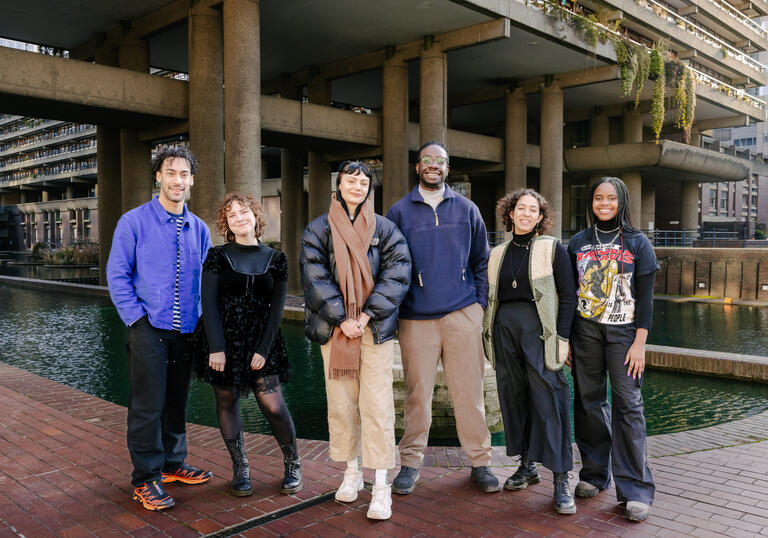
x,y
241,477
525,475
563,500
292,478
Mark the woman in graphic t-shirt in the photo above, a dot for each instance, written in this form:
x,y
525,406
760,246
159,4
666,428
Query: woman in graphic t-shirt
x,y
615,266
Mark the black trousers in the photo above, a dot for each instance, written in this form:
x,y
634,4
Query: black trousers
x,y
159,386
535,402
612,440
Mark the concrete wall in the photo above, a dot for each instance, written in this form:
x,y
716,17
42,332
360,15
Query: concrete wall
x,y
724,272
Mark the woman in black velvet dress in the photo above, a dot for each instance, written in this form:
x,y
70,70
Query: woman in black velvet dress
x,y
239,347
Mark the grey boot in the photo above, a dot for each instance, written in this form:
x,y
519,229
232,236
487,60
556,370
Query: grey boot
x,y
241,477
525,475
292,478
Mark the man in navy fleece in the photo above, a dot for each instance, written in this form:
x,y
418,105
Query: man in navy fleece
x,y
441,317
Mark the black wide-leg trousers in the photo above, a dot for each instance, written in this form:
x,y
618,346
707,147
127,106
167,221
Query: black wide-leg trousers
x,y
159,385
612,440
535,402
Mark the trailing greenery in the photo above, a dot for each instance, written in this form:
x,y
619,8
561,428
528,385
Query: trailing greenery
x,y
656,68
657,74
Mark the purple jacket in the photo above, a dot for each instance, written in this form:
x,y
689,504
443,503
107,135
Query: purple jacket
x,y
141,271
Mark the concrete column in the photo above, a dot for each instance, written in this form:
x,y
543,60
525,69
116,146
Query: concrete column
x,y
291,195
648,220
135,156
599,135
551,143
110,196
46,196
319,186
690,206
136,179
3,199
633,133
69,192
39,227
397,172
242,97
433,109
516,141
206,111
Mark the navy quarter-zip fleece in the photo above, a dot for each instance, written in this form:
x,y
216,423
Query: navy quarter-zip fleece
x,y
449,252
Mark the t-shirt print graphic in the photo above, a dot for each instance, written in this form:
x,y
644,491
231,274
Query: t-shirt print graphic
x,y
604,293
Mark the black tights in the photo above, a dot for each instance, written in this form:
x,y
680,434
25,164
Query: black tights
x,y
270,399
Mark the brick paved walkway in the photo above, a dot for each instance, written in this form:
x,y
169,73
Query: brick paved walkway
x,y
64,471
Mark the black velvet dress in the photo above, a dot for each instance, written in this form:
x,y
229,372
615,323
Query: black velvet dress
x,y
243,296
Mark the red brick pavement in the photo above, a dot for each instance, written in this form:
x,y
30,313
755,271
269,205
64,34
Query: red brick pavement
x,y
64,471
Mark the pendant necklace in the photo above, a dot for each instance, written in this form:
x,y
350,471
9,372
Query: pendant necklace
x,y
602,245
526,246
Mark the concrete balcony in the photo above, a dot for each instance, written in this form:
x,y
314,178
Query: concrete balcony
x,y
50,159
46,124
752,8
729,23
4,121
50,142
665,159
59,205
688,40
85,175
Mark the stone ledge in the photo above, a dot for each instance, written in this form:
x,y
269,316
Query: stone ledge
x,y
54,285
711,363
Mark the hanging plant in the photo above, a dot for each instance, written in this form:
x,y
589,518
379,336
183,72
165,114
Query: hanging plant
x,y
656,67
657,102
643,69
690,104
679,97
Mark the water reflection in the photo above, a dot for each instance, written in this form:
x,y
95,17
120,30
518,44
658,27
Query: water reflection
x,y
80,342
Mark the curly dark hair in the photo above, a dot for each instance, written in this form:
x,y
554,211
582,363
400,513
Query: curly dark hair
x,y
506,205
174,152
246,201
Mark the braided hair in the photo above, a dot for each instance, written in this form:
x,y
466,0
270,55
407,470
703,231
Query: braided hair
x,y
623,218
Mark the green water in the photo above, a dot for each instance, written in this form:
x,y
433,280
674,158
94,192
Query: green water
x,y
80,342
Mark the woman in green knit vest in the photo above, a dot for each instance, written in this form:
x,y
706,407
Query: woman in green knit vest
x,y
532,299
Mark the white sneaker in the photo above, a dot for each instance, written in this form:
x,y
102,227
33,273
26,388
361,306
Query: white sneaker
x,y
381,503
352,483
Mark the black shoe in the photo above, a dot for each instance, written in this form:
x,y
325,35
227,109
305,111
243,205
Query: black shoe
x,y
585,490
241,474
153,496
525,475
187,474
292,479
563,501
405,481
485,478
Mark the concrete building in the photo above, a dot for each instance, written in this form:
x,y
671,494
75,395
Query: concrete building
x,y
48,178
521,92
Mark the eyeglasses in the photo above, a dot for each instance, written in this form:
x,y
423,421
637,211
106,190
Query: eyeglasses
x,y
428,159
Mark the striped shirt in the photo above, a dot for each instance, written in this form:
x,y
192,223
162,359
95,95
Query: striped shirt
x,y
176,307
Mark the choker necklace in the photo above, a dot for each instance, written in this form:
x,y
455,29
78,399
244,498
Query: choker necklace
x,y
526,246
616,229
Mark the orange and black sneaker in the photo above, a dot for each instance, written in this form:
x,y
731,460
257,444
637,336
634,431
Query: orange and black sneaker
x,y
152,496
187,475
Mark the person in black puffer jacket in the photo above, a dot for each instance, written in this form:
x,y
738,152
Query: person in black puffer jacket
x,y
356,270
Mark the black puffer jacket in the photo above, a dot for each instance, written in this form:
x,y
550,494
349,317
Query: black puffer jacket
x,y
324,308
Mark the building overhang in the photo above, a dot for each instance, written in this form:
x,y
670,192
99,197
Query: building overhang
x,y
667,159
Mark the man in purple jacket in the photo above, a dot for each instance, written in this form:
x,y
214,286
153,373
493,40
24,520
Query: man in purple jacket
x,y
441,317
153,274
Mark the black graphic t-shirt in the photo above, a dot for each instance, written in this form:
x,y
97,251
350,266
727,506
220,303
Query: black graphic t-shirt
x,y
607,273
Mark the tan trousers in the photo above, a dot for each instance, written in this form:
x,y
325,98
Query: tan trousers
x,y
363,410
457,339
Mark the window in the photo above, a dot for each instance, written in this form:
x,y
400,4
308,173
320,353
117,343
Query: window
x,y
712,199
723,201
744,200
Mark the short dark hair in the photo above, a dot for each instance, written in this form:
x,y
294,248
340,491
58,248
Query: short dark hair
x,y
352,168
431,143
506,205
174,152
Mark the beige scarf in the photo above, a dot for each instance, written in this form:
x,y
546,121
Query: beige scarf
x,y
350,247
